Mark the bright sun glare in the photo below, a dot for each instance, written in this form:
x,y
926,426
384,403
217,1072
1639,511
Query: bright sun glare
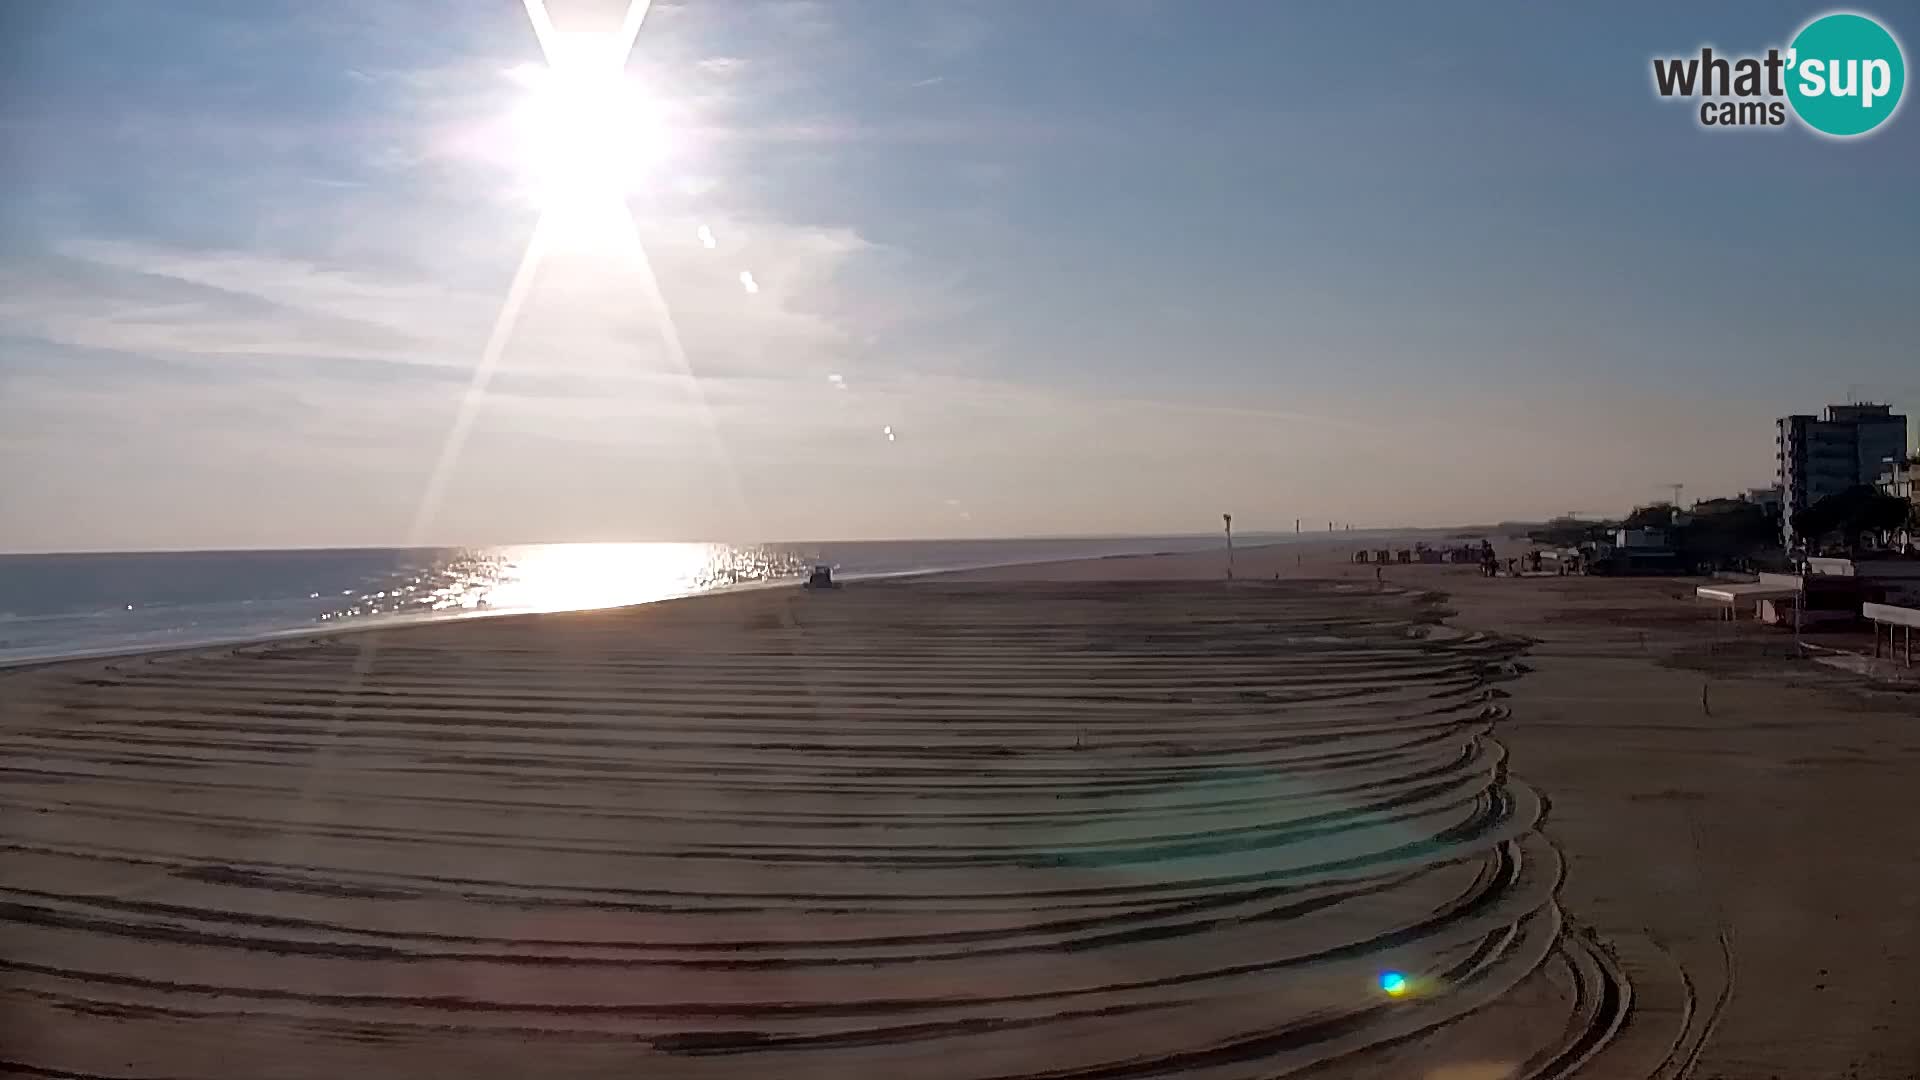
x,y
586,134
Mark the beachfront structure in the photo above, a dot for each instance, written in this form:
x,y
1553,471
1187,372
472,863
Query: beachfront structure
x,y
1898,479
1640,538
1818,456
1895,619
1901,479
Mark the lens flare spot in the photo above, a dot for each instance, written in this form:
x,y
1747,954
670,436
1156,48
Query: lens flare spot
x,y
1394,984
707,239
747,282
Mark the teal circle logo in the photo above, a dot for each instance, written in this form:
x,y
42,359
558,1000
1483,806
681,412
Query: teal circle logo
x,y
1845,73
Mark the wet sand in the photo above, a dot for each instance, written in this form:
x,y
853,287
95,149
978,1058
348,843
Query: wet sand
x,y
983,826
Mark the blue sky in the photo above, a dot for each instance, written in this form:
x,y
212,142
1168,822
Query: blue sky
x,y
1109,266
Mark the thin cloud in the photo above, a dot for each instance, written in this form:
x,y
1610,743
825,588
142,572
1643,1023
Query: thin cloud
x,y
584,313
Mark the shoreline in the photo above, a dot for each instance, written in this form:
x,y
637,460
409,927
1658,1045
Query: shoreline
x,y
318,630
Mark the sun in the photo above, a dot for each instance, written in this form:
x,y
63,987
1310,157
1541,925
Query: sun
x,y
586,134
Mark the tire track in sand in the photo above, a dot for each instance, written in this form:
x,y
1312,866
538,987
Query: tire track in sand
x,y
929,830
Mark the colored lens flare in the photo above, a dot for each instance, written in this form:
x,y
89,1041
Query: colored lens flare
x,y
1394,984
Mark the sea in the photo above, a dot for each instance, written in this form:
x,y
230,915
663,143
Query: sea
x,y
56,606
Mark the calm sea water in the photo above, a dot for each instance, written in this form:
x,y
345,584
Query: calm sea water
x,y
67,605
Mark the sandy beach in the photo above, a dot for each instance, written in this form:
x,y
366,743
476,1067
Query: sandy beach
x,y
1105,819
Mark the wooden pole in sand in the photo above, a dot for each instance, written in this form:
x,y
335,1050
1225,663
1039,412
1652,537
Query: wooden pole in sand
x,y
1228,518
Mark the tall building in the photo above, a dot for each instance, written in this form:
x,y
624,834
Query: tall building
x,y
1820,456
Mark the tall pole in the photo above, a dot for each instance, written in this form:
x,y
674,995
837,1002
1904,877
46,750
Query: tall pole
x,y
1228,518
1799,606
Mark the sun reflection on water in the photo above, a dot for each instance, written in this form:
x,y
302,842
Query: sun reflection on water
x,y
564,577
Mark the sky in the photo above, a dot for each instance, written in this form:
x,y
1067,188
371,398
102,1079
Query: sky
x,y
1017,268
